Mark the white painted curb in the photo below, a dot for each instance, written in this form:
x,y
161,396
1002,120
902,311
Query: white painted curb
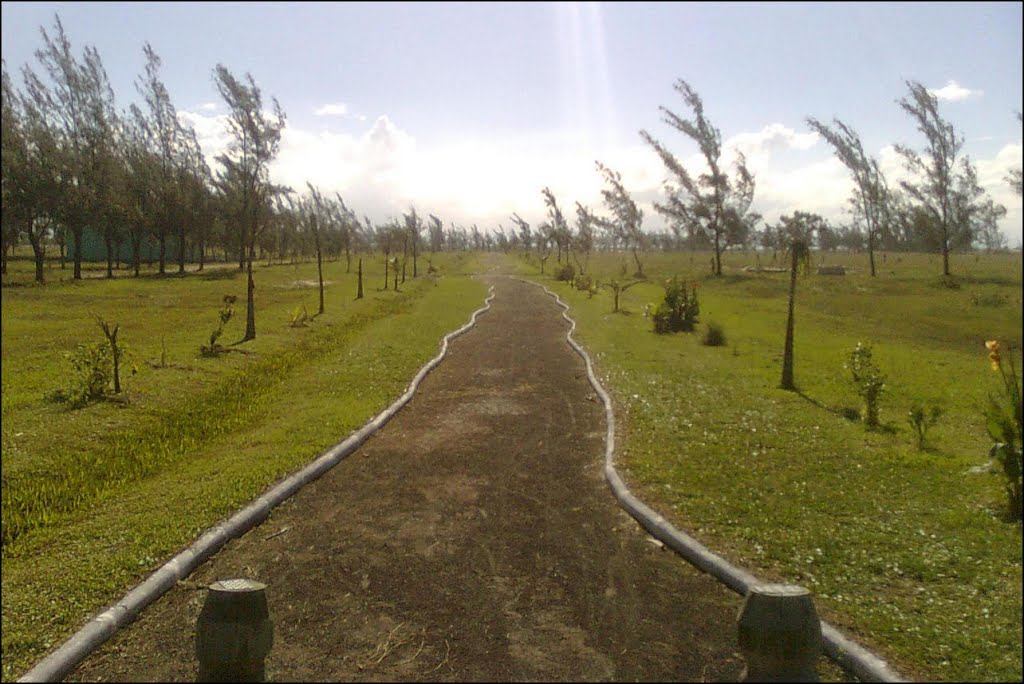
x,y
848,654
60,662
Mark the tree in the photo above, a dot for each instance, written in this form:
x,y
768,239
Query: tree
x,y
314,216
435,232
77,106
525,236
256,140
799,229
627,224
585,223
28,173
413,227
950,195
1014,176
559,228
711,203
871,192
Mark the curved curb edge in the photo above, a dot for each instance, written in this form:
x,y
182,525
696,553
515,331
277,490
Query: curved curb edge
x,y
840,648
64,659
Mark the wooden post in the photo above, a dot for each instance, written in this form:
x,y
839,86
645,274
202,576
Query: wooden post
x,y
779,634
234,632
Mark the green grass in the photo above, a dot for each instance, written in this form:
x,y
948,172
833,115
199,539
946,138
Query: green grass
x,y
907,550
198,438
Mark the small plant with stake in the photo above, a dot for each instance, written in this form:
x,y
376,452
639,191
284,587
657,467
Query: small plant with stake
x,y
226,312
1003,420
921,419
869,381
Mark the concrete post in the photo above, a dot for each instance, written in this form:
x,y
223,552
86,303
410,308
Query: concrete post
x,y
234,632
779,634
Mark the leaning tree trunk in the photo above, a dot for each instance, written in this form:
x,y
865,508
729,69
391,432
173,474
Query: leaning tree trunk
x,y
359,292
320,273
39,251
787,354
76,236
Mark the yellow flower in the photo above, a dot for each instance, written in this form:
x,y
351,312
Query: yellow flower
x,y
993,348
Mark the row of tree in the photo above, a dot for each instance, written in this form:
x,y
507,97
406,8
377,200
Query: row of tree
x,y
942,208
73,163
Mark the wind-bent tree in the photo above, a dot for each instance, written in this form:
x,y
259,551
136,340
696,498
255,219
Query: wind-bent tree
x,y
314,215
799,230
435,232
585,224
77,106
950,195
871,192
712,204
627,225
413,227
256,140
559,227
525,235
30,174
1014,176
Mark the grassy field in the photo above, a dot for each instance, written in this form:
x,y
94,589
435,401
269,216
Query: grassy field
x,y
96,498
907,550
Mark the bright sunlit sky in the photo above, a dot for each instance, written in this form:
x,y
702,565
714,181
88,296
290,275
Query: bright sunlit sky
x,y
467,110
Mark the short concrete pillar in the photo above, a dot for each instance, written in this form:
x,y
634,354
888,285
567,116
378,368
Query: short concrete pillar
x,y
779,634
234,632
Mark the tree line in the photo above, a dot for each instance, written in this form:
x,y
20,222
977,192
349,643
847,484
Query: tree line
x,y
941,208
73,162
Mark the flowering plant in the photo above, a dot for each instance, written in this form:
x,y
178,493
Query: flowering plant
x,y
1003,421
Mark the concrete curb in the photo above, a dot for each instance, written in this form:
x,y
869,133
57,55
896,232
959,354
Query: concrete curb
x,y
848,654
64,659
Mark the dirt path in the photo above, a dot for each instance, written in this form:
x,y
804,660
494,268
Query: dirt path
x,y
473,538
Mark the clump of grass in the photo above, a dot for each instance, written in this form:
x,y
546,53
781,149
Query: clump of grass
x,y
714,336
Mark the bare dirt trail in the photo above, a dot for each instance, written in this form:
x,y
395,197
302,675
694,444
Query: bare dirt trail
x,y
472,539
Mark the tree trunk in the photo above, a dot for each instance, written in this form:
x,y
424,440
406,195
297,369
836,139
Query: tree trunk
x,y
181,248
718,255
387,262
415,241
108,242
76,236
359,292
250,304
202,250
163,251
39,250
945,257
787,354
320,273
136,253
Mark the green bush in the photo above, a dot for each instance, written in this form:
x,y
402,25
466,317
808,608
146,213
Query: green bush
x,y
714,336
868,380
679,310
565,272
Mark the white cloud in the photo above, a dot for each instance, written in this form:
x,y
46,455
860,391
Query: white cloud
x,y
954,92
335,109
208,106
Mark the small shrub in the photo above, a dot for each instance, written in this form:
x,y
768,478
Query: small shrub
x,y
226,312
299,317
714,336
679,311
921,419
565,273
868,380
1003,418
993,299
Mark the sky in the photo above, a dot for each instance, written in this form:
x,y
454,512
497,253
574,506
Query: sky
x,y
468,110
